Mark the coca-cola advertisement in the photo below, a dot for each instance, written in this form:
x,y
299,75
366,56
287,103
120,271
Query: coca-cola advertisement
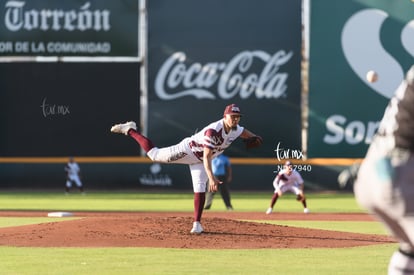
x,y
204,55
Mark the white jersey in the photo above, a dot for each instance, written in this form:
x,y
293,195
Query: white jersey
x,y
214,137
72,168
191,149
282,179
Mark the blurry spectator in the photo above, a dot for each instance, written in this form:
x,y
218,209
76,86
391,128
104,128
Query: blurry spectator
x,y
222,170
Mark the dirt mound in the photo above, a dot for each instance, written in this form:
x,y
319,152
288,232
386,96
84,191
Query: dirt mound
x,y
154,229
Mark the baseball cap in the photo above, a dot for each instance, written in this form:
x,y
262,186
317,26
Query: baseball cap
x,y
232,109
288,163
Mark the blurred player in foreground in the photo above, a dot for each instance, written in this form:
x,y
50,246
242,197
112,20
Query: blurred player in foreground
x,y
385,181
73,175
222,170
288,179
197,151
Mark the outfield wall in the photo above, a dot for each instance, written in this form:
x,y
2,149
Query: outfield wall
x,y
171,68
70,70
139,173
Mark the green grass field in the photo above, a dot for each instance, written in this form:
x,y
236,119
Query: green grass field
x,y
360,260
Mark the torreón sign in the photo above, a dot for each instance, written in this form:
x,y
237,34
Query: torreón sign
x,y
69,28
18,18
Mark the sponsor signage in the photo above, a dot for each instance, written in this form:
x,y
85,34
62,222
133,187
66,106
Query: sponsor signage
x,y
344,107
249,55
69,28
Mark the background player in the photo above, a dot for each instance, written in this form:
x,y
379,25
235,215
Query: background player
x,y
222,170
197,151
73,175
288,179
385,180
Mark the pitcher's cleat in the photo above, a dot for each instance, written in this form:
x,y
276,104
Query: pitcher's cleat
x,y
123,128
197,229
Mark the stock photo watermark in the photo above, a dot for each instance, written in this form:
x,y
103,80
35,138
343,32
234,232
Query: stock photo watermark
x,y
53,109
288,154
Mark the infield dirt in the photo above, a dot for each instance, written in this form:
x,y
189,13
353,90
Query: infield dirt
x,y
226,230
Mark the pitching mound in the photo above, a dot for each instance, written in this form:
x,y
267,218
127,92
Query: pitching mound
x,y
154,229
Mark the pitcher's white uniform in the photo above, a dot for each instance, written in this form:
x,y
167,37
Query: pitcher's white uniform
x,y
197,151
190,150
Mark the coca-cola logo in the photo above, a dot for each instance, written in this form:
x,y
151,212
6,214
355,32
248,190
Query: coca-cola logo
x,y
238,77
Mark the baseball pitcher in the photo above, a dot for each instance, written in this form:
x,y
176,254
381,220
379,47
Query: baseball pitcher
x,y
197,151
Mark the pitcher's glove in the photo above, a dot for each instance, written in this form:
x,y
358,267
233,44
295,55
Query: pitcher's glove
x,y
253,142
